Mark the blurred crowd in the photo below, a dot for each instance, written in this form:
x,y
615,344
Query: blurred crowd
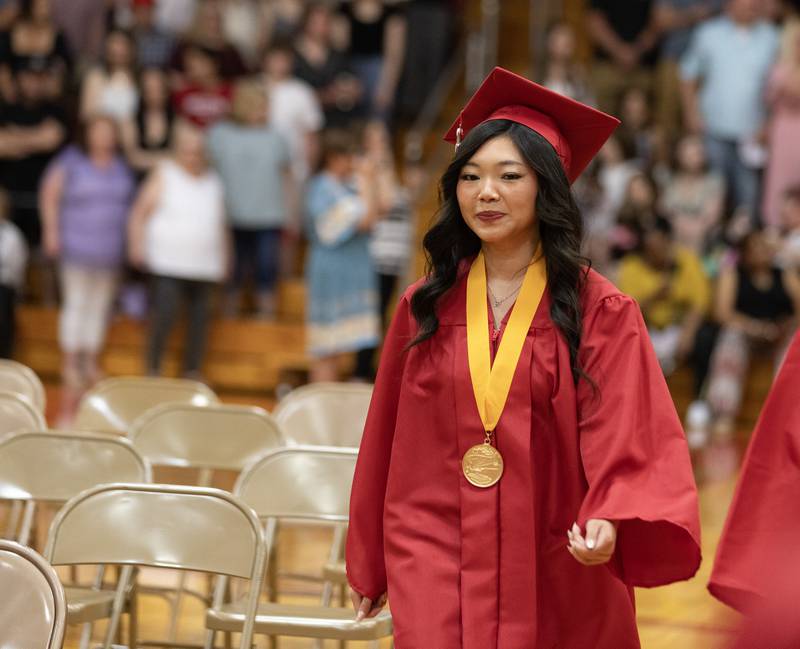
x,y
153,150
693,206
168,155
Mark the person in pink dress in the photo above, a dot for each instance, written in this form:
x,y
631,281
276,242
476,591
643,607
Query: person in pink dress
x,y
783,97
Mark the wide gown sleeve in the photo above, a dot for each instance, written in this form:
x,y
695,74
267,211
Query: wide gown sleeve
x,y
762,530
366,570
634,452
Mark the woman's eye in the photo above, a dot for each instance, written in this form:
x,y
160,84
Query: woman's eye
x,y
469,177
512,176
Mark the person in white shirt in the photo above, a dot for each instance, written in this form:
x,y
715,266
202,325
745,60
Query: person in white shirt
x,y
13,260
294,108
178,233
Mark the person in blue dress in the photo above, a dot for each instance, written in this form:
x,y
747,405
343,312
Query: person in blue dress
x,y
341,209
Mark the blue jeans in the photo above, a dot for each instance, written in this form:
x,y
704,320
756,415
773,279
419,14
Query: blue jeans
x,y
257,254
741,181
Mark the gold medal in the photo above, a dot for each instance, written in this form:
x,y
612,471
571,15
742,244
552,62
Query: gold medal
x,y
482,464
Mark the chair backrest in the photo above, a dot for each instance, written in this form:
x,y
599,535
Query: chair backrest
x,y
16,377
115,403
33,612
164,526
17,413
56,465
214,437
325,414
300,482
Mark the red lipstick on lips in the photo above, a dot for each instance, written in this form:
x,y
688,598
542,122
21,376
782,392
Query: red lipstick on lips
x,y
490,215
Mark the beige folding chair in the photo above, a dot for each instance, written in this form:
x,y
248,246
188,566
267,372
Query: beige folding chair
x,y
18,413
161,526
33,611
215,437
16,377
301,483
325,414
115,403
52,467
208,438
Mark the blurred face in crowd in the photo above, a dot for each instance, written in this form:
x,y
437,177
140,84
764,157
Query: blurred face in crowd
x,y
341,164
691,154
561,43
278,64
154,88
40,10
757,252
635,108
209,21
790,213
190,149
641,192
250,106
318,24
611,153
496,192
744,11
119,53
101,137
199,66
656,246
143,15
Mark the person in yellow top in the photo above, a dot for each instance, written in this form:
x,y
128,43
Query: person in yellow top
x,y
673,292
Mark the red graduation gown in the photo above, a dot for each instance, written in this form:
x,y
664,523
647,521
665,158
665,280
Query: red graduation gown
x,y
758,547
476,568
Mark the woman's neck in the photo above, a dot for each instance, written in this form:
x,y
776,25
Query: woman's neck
x,y
505,260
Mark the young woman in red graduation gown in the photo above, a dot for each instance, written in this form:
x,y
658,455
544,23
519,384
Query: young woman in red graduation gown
x,y
586,488
757,565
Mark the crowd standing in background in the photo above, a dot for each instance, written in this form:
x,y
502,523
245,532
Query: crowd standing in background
x,y
263,132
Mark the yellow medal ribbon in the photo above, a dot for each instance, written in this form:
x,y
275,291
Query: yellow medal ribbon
x,y
482,464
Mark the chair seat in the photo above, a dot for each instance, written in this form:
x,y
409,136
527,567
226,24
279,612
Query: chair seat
x,y
304,621
87,605
335,572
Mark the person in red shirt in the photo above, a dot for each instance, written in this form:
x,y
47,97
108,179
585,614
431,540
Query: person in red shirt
x,y
206,98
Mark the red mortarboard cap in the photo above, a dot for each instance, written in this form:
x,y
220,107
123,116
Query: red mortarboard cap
x,y
143,3
576,131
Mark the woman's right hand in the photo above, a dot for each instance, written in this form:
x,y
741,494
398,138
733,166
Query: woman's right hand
x,y
365,607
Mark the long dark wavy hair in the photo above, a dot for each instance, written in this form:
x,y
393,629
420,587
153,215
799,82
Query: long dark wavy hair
x,y
449,240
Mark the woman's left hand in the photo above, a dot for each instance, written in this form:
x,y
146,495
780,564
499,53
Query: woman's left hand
x,y
596,547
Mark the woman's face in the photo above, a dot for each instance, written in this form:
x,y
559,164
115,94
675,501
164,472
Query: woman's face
x,y
640,192
691,154
154,88
496,193
190,150
561,43
757,252
635,110
40,10
101,137
318,25
118,51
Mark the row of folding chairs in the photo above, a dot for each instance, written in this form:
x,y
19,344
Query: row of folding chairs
x,y
186,431
193,528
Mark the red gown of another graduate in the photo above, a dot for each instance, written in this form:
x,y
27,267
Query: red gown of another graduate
x,y
476,568
758,550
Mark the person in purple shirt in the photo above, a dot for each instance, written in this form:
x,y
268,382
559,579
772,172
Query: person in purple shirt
x,y
85,199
